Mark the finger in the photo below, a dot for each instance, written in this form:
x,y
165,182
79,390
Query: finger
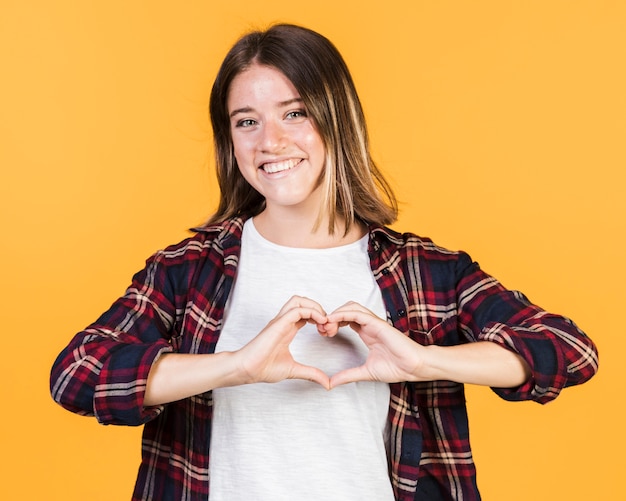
x,y
304,314
308,373
353,306
301,302
344,317
328,329
351,375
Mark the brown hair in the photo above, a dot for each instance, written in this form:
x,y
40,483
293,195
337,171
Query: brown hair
x,y
353,186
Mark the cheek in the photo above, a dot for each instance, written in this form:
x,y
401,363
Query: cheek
x,y
316,148
312,141
242,151
243,160
248,177
237,143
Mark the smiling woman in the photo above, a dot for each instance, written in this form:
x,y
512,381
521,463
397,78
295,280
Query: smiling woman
x,y
367,336
278,149
313,70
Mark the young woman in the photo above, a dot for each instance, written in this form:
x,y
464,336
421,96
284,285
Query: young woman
x,y
366,335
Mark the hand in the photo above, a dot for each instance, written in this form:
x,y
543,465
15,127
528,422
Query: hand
x,y
267,359
393,357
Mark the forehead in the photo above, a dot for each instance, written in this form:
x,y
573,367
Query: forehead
x,y
260,84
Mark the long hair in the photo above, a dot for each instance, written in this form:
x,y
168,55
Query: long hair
x,y
353,187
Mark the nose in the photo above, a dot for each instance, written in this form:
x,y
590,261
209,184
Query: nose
x,y
273,137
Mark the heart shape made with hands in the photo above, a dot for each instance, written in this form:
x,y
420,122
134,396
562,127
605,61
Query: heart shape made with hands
x,y
391,355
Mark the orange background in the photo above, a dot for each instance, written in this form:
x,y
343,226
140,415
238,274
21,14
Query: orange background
x,y
501,125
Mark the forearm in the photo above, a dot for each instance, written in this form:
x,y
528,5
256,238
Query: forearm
x,y
482,363
176,376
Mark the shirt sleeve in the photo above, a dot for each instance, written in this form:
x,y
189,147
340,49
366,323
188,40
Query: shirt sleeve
x,y
104,369
558,352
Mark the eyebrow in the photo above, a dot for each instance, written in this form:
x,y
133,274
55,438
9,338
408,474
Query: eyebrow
x,y
282,104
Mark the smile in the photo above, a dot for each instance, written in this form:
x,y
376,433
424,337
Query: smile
x,y
273,167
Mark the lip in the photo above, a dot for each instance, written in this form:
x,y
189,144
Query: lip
x,y
277,166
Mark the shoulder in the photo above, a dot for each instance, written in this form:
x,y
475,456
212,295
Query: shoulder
x,y
214,238
203,257
412,244
414,252
211,245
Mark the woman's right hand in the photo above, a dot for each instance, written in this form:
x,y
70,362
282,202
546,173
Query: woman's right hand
x,y
267,358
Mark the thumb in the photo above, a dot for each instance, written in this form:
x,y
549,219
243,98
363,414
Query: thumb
x,y
351,375
309,373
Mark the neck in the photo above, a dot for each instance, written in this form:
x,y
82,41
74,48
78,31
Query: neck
x,y
292,231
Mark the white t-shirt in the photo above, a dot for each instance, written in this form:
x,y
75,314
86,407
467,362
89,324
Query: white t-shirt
x,y
294,439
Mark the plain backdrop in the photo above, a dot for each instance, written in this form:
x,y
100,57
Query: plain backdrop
x,y
501,124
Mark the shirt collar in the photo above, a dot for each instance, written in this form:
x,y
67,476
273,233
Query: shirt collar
x,y
223,232
233,228
381,235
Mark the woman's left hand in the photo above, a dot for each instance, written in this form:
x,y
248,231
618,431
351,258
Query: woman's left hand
x,y
393,357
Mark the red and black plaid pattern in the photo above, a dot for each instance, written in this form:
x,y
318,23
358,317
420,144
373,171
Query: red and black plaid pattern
x,y
176,303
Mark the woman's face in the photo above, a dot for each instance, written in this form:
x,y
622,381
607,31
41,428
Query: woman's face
x,y
277,147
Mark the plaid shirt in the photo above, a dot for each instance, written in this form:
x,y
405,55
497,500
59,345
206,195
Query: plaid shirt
x,y
176,303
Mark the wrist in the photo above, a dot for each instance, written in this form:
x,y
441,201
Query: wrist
x,y
432,366
231,369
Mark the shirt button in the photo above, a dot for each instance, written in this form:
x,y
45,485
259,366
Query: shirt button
x,y
401,313
386,271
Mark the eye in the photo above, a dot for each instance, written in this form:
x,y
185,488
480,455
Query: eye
x,y
246,122
294,115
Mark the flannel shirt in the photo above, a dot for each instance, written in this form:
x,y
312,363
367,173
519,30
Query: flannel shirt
x,y
435,296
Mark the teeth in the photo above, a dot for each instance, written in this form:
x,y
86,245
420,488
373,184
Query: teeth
x,y
272,168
